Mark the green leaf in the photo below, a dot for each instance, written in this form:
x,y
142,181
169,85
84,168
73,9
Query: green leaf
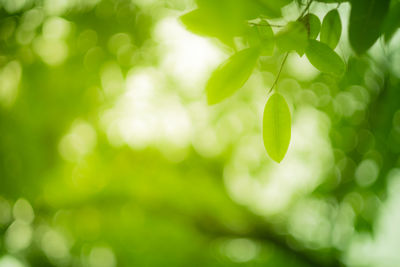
x,y
201,23
209,23
241,9
392,22
324,58
231,75
292,37
276,127
366,20
331,29
312,24
227,19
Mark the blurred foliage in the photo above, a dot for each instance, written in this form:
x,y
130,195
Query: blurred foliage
x,y
110,155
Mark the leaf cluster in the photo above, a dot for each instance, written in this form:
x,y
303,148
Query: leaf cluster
x,y
251,21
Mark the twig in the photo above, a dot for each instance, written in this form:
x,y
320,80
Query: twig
x,y
279,72
306,9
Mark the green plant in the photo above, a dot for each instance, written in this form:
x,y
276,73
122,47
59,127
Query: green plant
x,y
250,21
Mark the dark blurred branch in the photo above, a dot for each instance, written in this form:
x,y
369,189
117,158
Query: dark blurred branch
x,y
257,228
261,231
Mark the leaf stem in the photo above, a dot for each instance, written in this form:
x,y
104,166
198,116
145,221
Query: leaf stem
x,y
306,9
279,73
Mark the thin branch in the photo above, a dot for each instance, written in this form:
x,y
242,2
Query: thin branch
x,y
287,53
279,72
306,9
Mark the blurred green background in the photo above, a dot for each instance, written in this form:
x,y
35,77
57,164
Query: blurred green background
x,y
110,156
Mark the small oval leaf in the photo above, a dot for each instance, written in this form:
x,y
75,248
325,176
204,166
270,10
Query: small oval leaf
x,y
331,29
231,75
366,19
324,58
276,127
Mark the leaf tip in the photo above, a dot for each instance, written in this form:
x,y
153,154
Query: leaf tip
x,y
278,160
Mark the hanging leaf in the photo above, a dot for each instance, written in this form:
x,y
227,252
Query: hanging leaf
x,y
312,24
231,75
331,29
276,127
392,22
324,58
366,20
293,37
